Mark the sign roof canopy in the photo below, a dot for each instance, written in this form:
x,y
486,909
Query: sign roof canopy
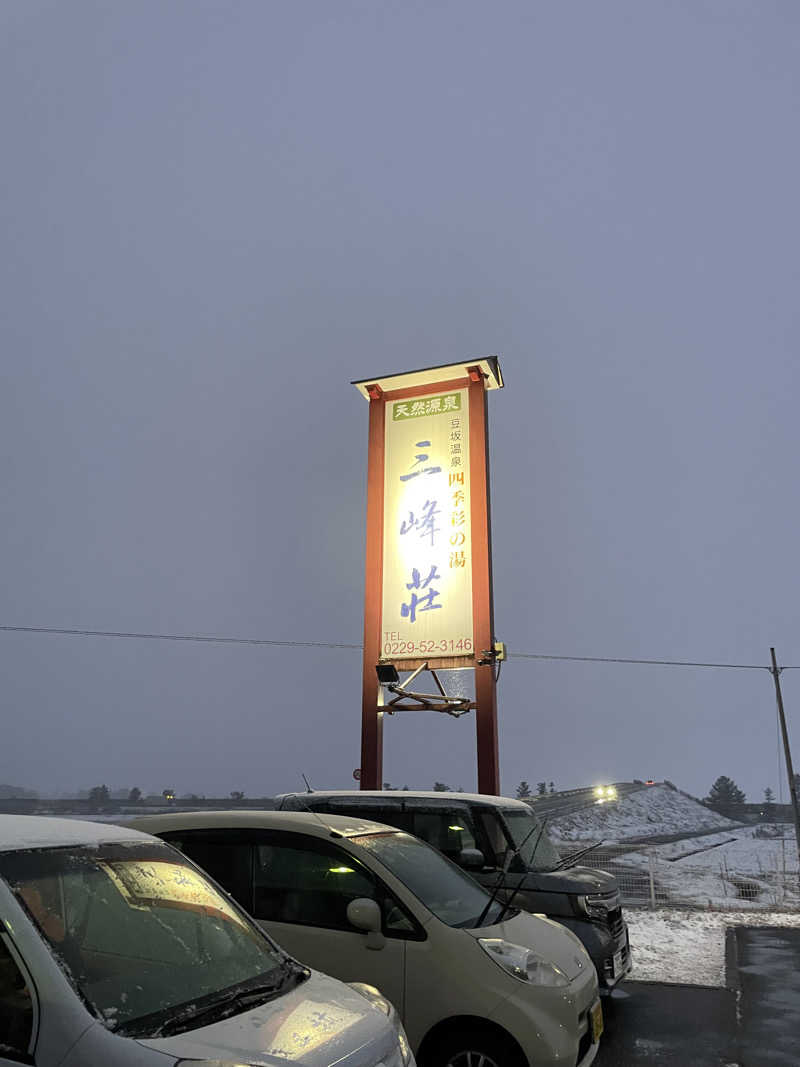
x,y
489,365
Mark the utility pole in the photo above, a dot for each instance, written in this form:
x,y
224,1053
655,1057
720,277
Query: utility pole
x,y
776,674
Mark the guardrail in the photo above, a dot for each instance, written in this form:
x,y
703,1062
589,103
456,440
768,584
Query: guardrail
x,y
761,874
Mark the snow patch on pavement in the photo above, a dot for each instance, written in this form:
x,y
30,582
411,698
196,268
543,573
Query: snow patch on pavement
x,y
685,947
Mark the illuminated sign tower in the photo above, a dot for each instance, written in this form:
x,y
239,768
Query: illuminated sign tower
x,y
428,591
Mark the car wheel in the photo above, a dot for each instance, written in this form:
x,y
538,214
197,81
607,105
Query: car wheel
x,y
473,1048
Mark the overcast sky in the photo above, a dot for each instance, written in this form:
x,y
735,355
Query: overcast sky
x,y
214,216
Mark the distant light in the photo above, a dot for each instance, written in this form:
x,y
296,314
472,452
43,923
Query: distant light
x,y
600,791
341,870
455,827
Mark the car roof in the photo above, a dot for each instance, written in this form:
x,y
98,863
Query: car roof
x,y
299,821
39,831
396,796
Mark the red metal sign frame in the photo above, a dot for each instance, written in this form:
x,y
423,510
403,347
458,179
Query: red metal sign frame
x,y
482,604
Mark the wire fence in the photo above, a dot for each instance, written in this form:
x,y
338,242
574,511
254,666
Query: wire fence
x,y
755,869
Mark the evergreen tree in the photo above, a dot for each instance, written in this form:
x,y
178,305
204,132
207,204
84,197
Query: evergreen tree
x,y
98,795
523,790
440,787
541,788
135,795
725,794
552,787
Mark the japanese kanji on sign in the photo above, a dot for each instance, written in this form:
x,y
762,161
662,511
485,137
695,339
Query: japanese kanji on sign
x,y
427,566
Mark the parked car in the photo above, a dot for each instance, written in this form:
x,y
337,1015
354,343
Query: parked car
x,y
475,982
117,951
481,833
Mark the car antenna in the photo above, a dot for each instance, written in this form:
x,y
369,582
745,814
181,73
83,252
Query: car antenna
x,y
504,871
316,814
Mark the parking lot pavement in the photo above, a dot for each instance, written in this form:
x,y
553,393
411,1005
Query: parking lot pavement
x,y
652,1024
768,968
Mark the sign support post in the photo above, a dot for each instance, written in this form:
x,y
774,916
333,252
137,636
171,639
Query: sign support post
x,y
482,598
371,715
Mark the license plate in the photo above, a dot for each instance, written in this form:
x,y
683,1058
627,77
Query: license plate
x,y
596,1015
617,964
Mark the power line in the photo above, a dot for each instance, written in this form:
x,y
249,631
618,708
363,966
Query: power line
x,y
206,639
221,640
649,662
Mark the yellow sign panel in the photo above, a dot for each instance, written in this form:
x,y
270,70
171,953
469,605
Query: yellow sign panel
x,y
427,542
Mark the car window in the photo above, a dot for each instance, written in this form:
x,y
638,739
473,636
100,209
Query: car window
x,y
299,879
226,856
439,884
492,840
447,831
138,930
16,1008
537,851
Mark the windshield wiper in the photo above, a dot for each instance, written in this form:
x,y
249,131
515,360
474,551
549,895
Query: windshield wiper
x,y
569,861
507,905
238,999
504,871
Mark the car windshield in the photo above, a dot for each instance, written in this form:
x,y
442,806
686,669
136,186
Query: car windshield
x,y
442,887
537,851
143,935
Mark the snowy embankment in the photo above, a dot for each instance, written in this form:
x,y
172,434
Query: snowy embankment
x,y
653,810
738,869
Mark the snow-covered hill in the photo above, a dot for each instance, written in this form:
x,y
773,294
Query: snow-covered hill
x,y
654,810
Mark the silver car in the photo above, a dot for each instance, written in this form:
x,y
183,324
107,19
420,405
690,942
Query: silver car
x,y
117,950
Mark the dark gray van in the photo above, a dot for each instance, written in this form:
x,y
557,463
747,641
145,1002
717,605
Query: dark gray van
x,y
502,844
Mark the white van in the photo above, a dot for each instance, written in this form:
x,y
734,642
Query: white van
x,y
116,951
474,981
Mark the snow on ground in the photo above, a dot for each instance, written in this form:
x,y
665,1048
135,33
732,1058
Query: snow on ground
x,y
653,810
681,947
735,868
675,944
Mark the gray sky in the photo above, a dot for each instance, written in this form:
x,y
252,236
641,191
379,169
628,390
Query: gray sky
x,y
213,216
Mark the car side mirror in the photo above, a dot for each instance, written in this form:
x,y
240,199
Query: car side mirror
x,y
365,915
471,859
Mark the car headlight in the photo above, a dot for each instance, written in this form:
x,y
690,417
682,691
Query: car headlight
x,y
523,963
374,996
402,1043
597,906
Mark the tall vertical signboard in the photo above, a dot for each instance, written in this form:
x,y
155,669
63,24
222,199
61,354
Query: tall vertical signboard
x,y
428,594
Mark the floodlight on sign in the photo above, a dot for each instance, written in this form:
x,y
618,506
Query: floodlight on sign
x,y
387,674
